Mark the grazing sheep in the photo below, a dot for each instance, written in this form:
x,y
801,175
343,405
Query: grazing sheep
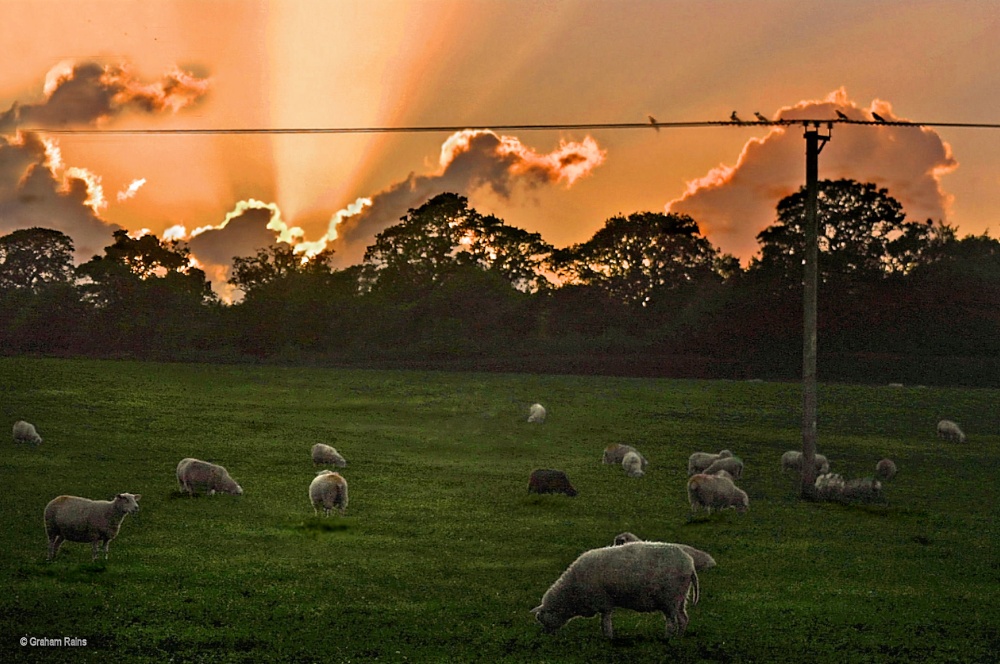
x,y
950,431
24,432
699,461
329,491
832,486
721,473
326,455
633,465
642,576
885,469
864,490
829,486
701,559
546,480
792,460
712,492
536,414
74,519
733,466
195,475
616,453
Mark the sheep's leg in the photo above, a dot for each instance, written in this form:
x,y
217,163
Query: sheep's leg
x,y
54,544
606,624
671,627
682,618
95,548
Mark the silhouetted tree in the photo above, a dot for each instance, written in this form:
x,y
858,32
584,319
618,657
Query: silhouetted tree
x,y
407,260
147,294
863,235
635,257
278,267
33,257
292,302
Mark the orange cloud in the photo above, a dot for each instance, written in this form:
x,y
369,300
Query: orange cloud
x,y
36,190
89,93
734,203
469,160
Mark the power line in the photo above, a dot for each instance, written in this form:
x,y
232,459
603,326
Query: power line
x,y
503,127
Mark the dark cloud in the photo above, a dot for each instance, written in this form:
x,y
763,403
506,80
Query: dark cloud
x,y
31,194
84,94
242,235
470,160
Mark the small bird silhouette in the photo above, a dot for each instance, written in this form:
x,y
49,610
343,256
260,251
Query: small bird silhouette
x,y
734,117
760,118
652,121
878,118
841,116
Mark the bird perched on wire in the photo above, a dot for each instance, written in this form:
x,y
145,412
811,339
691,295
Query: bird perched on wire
x,y
652,121
734,117
841,116
878,118
760,118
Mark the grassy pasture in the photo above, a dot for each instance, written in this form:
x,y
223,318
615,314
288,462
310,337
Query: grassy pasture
x,y
443,553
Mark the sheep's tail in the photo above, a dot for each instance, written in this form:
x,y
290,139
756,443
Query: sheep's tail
x,y
693,589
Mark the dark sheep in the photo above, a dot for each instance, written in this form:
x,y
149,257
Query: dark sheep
x,y
546,480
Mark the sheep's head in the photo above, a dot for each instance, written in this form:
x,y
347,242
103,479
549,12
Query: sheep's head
x,y
550,619
742,502
128,502
625,538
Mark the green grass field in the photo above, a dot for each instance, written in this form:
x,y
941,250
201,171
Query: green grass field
x,y
443,552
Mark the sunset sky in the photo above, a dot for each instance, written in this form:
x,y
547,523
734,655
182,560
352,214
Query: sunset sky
x,y
478,64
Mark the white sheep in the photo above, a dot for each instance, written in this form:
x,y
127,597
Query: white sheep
x,y
792,460
721,473
864,489
832,486
702,560
829,486
324,454
885,469
732,466
195,475
329,491
24,432
74,519
699,461
536,414
633,465
950,431
712,492
642,576
616,452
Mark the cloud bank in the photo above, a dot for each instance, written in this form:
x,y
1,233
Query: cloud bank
x,y
734,203
36,187
90,93
469,160
36,190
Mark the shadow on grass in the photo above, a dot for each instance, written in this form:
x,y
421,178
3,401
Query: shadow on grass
x,y
69,571
319,524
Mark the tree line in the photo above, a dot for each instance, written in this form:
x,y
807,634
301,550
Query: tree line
x,y
449,287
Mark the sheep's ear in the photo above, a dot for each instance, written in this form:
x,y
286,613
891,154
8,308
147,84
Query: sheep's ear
x,y
537,609
137,497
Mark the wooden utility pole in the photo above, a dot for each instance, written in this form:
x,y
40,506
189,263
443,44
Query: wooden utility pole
x,y
814,145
